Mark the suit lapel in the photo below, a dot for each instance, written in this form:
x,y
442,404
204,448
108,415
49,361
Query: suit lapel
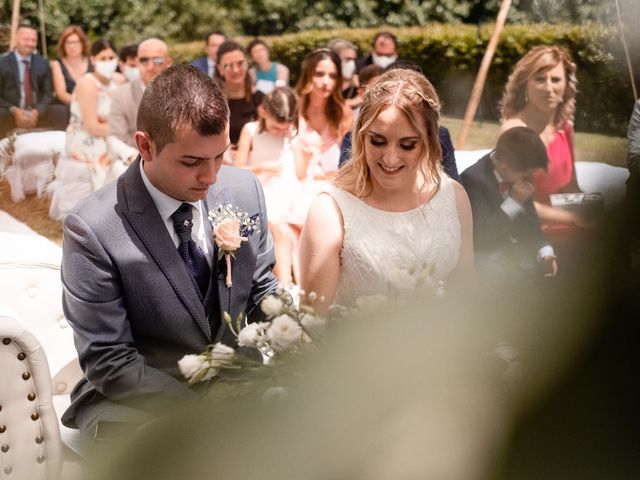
x,y
491,181
145,220
15,71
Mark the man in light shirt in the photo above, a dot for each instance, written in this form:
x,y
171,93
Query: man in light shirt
x,y
152,59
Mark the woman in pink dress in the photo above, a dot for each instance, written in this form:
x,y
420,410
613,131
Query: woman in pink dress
x,y
540,94
324,119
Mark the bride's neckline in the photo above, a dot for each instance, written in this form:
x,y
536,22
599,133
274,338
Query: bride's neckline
x,y
431,196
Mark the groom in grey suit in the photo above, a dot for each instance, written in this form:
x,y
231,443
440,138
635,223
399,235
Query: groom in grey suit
x,y
129,294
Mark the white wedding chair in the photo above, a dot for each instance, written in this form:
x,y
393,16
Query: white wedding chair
x,y
30,442
32,162
30,285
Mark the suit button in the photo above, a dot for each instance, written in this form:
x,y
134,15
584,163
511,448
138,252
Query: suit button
x,y
35,416
4,448
40,459
6,341
3,428
39,439
26,376
22,356
31,397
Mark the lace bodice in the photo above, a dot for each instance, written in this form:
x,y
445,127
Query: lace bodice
x,y
377,242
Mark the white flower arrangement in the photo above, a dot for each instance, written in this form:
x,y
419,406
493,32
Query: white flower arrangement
x,y
289,328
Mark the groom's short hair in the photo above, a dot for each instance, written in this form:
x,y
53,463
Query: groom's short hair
x,y
182,97
522,149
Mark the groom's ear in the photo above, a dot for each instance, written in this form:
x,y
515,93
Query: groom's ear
x,y
144,144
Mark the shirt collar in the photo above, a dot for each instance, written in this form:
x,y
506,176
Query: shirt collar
x,y
165,204
21,58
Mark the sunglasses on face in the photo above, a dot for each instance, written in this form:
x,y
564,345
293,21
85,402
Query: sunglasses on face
x,y
239,64
154,60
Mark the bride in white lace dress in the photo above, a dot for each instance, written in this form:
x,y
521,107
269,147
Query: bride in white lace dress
x,y
391,206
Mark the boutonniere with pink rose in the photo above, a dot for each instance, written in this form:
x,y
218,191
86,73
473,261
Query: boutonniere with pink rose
x,y
231,227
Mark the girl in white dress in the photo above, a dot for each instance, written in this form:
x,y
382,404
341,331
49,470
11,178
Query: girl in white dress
x,y
265,148
391,206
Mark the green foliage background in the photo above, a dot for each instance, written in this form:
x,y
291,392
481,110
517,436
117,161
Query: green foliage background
x,y
183,20
449,52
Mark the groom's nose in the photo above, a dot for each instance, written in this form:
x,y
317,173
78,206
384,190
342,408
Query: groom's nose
x,y
208,173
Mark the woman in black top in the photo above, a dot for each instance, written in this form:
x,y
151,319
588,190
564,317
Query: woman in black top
x,y
235,81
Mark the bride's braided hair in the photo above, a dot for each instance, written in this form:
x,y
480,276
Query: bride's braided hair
x,y
415,96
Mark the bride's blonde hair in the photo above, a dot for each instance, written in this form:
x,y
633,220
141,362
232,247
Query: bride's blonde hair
x,y
412,94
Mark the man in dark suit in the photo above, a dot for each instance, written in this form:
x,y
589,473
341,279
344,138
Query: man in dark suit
x,y
25,84
137,300
506,229
207,63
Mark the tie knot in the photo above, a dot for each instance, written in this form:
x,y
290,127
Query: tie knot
x,y
182,222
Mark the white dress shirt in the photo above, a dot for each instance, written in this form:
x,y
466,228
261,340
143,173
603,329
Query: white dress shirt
x,y
512,209
167,206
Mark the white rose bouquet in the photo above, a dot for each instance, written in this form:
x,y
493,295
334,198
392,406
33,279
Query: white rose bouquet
x,y
289,328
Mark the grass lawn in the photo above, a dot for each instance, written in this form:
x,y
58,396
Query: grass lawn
x,y
590,147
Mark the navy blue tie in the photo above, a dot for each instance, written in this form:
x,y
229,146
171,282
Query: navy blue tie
x,y
189,250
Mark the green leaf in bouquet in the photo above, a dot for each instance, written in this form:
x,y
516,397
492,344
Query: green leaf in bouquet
x,y
239,320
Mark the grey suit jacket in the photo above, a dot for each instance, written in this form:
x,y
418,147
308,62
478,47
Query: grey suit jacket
x,y
134,307
123,115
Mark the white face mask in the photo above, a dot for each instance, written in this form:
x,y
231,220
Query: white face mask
x,y
348,69
106,68
383,61
131,73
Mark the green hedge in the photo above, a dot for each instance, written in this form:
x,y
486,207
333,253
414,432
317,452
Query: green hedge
x,y
451,54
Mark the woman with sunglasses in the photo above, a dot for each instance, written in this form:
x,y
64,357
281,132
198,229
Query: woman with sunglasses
x,y
236,84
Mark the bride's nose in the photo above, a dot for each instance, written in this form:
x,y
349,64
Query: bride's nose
x,y
391,157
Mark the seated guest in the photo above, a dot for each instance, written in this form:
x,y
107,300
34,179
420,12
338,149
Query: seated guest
x,y
541,94
207,63
384,53
368,76
506,229
25,84
72,63
348,54
128,64
236,84
87,165
266,75
152,57
324,120
265,147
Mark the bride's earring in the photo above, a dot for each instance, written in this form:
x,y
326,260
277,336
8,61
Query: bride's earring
x,y
526,98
